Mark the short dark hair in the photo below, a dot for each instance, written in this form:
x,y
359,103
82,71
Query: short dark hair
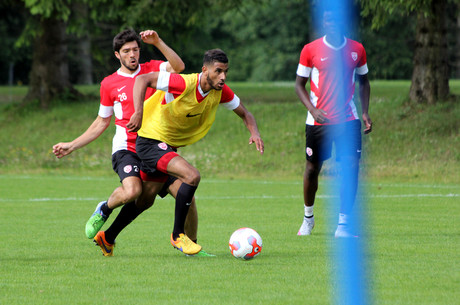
x,y
215,55
124,37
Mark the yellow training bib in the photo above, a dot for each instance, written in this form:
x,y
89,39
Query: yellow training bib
x,y
184,120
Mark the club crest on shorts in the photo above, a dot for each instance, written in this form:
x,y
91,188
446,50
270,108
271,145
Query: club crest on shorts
x,y
163,146
128,168
309,151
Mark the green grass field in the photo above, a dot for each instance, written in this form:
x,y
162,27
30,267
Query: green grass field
x,y
45,257
411,163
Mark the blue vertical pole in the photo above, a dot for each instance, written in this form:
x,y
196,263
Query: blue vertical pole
x,y
350,272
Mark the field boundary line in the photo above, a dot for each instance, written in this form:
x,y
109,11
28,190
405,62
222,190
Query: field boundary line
x,y
44,199
238,181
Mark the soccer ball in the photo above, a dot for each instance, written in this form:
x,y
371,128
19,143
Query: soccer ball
x,y
245,243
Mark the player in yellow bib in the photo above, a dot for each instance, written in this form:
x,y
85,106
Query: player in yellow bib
x,y
180,113
187,117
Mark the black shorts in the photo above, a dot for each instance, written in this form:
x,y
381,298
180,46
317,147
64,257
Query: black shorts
x,y
126,164
346,138
164,189
155,156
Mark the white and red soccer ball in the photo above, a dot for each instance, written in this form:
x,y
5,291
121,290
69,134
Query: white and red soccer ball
x,y
245,243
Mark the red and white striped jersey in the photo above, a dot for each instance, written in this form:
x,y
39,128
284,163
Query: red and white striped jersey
x,y
332,77
117,98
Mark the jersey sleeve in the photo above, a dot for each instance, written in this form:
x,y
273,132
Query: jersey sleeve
x,y
105,111
163,66
229,99
362,65
305,63
106,104
155,66
171,82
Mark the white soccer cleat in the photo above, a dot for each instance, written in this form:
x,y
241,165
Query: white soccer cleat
x,y
343,232
307,225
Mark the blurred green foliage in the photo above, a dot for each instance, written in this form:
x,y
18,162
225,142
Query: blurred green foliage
x,y
263,38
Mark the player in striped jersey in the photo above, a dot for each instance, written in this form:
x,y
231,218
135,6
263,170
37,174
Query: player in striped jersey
x,y
331,64
116,93
180,113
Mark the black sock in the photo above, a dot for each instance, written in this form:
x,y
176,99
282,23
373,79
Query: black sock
x,y
183,200
128,213
106,210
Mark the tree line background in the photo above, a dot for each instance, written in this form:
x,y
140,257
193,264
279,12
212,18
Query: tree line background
x,y
50,45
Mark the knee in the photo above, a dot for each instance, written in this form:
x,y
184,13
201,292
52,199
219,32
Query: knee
x,y
193,177
312,171
133,192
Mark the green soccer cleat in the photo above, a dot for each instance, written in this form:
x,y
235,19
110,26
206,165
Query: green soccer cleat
x,y
202,253
95,222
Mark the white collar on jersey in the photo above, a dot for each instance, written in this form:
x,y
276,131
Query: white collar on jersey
x,y
199,86
333,47
132,75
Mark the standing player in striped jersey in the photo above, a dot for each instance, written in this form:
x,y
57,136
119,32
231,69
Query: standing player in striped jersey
x,y
180,113
116,93
331,63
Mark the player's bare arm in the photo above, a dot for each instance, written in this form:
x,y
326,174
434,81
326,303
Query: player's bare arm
x,y
251,125
98,126
364,96
175,63
318,114
140,86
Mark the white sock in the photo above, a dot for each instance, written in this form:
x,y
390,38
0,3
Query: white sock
x,y
308,211
343,219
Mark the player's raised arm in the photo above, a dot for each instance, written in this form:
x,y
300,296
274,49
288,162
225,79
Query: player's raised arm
x,y
251,125
175,63
140,86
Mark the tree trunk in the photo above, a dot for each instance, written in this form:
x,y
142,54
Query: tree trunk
x,y
457,52
430,77
83,46
49,76
85,76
